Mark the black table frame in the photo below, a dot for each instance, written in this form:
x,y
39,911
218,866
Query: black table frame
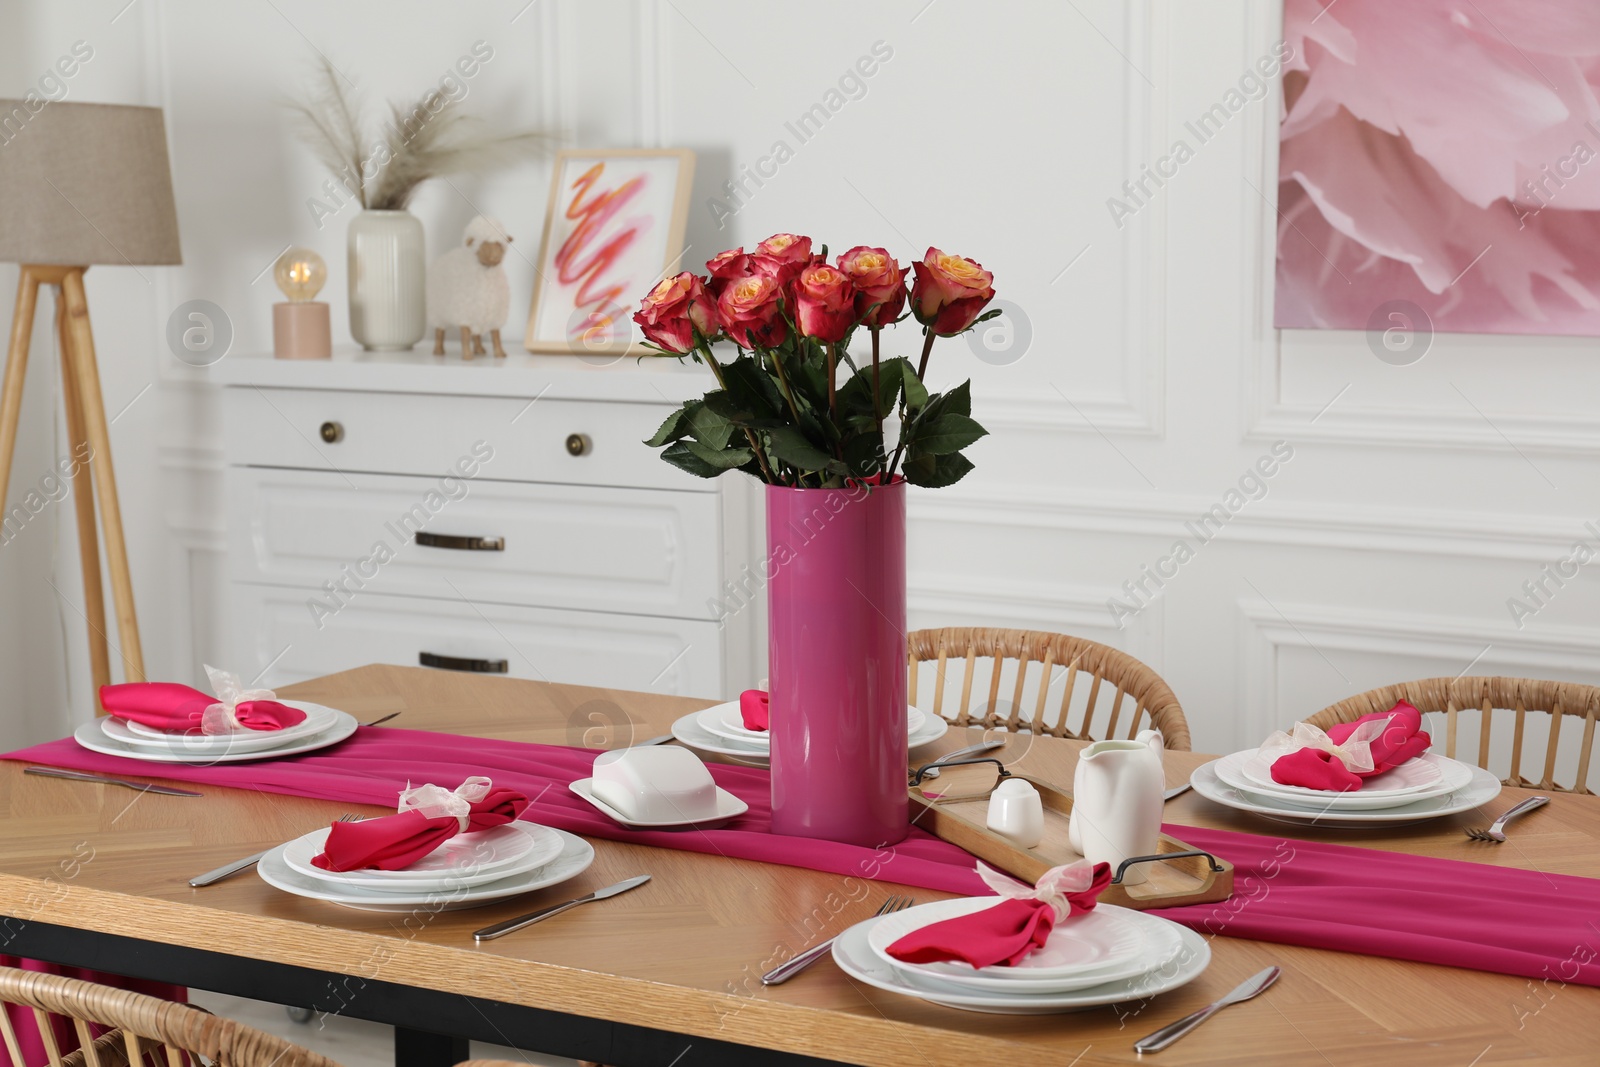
x,y
453,1018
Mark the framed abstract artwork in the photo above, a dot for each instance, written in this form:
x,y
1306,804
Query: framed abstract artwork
x,y
613,228
1440,162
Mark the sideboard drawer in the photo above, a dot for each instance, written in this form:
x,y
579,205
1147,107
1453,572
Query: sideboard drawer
x,y
638,551
575,442
273,625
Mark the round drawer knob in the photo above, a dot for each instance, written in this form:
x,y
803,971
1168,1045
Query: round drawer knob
x,y
332,432
577,444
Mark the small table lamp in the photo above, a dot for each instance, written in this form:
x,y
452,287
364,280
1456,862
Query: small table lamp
x,y
300,326
82,184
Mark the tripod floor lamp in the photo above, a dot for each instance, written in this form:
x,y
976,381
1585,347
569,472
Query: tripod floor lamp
x,y
81,184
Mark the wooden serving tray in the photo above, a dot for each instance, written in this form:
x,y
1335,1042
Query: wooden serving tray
x,y
1191,879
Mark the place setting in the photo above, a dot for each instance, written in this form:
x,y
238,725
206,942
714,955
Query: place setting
x,y
167,722
447,850
740,729
1377,770
1033,950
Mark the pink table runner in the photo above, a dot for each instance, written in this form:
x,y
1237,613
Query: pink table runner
x,y
374,765
1318,895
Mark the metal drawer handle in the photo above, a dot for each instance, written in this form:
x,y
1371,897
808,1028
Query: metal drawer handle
x,y
456,663
332,432
577,444
460,542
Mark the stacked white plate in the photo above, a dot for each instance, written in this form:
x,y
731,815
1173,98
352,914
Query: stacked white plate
x,y
1427,787
1107,956
467,871
721,729
115,737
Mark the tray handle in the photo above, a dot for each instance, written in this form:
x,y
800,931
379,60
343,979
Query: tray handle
x,y
1122,868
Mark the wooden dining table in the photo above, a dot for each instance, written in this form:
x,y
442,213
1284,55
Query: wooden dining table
x,y
669,974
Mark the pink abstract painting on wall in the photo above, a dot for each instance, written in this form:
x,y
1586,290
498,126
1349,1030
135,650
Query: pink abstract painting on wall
x,y
1444,153
614,226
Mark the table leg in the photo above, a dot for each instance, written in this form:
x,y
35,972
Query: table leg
x,y
417,1048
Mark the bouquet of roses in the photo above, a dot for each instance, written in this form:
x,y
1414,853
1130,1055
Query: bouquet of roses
x,y
781,413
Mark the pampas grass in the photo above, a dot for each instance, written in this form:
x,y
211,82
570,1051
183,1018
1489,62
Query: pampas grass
x,y
430,139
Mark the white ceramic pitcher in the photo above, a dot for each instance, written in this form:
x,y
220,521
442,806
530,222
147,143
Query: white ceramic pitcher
x,y
1116,802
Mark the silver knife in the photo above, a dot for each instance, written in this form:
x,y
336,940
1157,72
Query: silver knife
x,y
227,870
663,739
1252,986
489,933
143,787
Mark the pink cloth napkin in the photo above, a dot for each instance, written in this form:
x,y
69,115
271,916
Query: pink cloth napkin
x,y
1313,768
171,706
753,708
1003,935
395,842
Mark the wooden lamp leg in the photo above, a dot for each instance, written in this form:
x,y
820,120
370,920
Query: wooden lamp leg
x,y
105,480
16,369
94,597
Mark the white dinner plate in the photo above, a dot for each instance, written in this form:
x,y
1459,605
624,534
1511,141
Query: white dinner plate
x,y
462,861
854,955
728,807
1447,776
1106,945
1412,776
1482,788
691,731
318,718
575,857
93,738
726,720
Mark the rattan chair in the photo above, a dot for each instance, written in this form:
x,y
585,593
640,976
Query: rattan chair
x,y
118,1027
1049,699
1560,704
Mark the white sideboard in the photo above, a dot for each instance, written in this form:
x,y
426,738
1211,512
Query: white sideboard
x,y
500,516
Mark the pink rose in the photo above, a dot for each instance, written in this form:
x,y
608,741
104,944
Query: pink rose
x,y
880,284
825,303
674,310
786,254
950,292
750,313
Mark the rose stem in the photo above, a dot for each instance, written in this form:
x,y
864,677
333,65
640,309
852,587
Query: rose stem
x,y
749,435
927,346
833,402
783,386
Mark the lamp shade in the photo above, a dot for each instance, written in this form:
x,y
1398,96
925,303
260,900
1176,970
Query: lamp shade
x,y
85,183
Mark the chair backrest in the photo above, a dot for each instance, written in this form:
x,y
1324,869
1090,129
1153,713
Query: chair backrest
x,y
116,1027
1063,697
1567,712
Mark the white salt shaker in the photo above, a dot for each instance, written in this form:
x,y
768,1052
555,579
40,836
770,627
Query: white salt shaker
x,y
1017,812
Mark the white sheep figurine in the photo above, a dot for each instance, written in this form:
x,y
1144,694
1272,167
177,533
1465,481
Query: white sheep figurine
x,y
467,289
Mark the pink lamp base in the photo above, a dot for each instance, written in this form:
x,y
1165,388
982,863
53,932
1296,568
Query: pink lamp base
x,y
301,331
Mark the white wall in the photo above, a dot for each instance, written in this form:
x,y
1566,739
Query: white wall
x,y
1412,508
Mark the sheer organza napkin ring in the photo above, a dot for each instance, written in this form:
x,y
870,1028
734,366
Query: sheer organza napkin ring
x,y
435,801
222,717
1355,753
1053,888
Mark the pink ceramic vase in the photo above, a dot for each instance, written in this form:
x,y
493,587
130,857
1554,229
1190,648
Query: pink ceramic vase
x,y
837,662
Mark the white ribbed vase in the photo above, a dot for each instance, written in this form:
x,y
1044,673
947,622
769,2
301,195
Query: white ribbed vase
x,y
388,300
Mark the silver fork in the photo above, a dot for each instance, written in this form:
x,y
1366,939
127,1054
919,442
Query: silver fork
x,y
1496,833
228,870
785,971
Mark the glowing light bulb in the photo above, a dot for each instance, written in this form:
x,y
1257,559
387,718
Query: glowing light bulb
x,y
300,273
